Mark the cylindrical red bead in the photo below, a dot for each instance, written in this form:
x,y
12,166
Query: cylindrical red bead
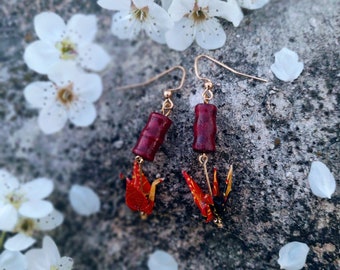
x,y
205,128
152,136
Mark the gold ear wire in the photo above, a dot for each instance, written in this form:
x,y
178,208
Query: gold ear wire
x,y
222,65
167,104
166,92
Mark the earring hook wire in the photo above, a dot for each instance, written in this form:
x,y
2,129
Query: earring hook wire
x,y
222,65
156,78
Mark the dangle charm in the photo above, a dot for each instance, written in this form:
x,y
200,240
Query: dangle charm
x,y
140,193
211,204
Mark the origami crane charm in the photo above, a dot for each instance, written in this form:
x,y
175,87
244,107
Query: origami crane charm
x,y
140,195
212,204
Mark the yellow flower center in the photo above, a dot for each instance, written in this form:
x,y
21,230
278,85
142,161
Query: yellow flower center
x,y
25,226
68,50
66,95
140,14
199,14
15,199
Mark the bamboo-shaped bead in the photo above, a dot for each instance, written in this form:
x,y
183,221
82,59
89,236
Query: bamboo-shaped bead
x,y
205,128
152,136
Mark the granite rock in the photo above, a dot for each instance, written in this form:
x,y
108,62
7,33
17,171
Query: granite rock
x,y
270,132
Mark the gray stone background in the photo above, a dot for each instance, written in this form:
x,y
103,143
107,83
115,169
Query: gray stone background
x,y
270,132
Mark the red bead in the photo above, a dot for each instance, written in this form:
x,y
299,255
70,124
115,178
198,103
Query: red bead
x,y
152,136
205,128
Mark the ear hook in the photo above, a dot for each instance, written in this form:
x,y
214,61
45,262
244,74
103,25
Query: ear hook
x,y
223,65
168,92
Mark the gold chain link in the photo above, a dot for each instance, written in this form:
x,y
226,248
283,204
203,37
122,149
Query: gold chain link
x,y
167,106
207,93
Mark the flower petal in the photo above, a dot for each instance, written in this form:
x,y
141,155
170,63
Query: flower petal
x,y
93,57
40,56
65,263
61,78
292,256
8,182
89,86
159,22
12,260
36,209
82,29
37,259
40,94
37,189
82,113
161,260
210,35
142,3
50,222
182,35
8,218
49,27
19,242
84,200
179,8
321,180
52,118
124,26
51,250
166,4
115,5
252,4
286,66
229,10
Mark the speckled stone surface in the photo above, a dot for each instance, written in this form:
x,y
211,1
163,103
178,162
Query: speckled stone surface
x,y
270,132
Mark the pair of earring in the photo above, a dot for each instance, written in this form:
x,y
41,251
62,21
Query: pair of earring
x,y
140,193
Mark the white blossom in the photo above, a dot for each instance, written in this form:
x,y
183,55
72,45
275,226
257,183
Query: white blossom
x,y
26,200
60,42
196,20
12,260
84,200
69,95
26,227
292,256
133,16
321,180
161,260
252,4
286,66
47,257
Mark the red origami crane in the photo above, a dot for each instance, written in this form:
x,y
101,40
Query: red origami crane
x,y
140,195
211,205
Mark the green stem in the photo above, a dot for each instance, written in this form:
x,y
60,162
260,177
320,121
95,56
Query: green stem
x,y
2,238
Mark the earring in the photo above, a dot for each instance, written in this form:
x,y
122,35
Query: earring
x,y
140,194
211,205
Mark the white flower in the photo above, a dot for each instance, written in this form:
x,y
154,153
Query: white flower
x,y
321,180
252,4
195,20
292,256
26,227
12,260
286,66
84,200
161,260
61,42
25,199
48,257
69,95
133,16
